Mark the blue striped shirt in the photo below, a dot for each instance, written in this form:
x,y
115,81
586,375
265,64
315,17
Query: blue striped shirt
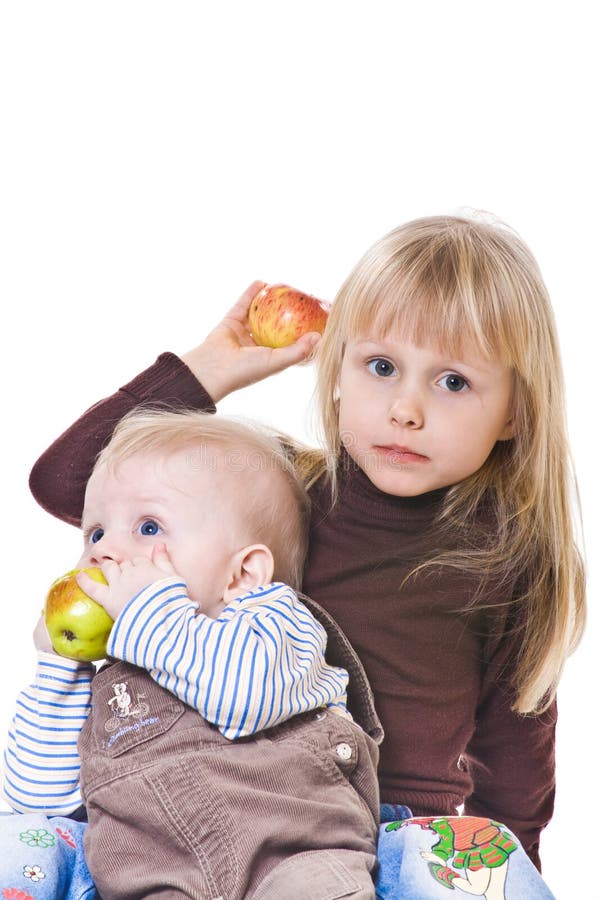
x,y
261,662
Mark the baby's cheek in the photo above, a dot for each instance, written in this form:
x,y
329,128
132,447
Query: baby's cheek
x,y
83,561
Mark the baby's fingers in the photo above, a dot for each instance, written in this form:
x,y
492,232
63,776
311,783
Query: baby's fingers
x,y
93,589
162,560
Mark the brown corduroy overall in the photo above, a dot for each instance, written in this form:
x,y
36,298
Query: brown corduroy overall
x,y
177,810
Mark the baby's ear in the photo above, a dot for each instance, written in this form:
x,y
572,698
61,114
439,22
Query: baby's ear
x,y
251,567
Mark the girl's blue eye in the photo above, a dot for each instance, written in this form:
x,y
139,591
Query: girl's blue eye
x,y
149,527
96,535
455,383
380,366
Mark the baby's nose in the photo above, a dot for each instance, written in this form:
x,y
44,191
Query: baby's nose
x,y
105,550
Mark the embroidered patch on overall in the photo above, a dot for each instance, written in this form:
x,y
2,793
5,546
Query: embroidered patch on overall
x,y
125,715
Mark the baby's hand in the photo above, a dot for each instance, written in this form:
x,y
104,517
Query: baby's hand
x,y
229,358
126,579
41,638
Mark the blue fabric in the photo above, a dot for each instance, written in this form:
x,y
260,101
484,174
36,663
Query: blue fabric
x,y
419,858
427,857
42,858
394,812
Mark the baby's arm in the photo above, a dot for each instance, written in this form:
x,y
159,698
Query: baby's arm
x,y
41,762
261,662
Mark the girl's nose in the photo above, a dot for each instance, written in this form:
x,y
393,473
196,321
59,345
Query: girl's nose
x,y
406,411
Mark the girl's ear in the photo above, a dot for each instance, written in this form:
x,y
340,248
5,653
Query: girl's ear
x,y
251,567
508,431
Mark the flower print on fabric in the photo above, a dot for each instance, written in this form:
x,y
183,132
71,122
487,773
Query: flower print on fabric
x,y
34,873
37,837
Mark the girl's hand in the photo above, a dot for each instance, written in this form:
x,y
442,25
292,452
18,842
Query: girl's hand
x,y
126,579
229,359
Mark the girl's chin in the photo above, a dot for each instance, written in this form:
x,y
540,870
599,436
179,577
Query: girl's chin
x,y
400,484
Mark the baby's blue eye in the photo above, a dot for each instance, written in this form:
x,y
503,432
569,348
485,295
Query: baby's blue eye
x,y
454,383
96,535
149,527
380,366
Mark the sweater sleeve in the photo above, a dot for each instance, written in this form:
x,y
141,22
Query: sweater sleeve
x,y
41,762
260,663
511,757
59,476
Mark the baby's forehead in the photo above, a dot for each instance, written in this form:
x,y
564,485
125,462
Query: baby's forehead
x,y
161,462
203,471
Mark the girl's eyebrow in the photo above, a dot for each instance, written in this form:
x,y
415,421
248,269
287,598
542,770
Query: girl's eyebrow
x,y
390,345
368,340
374,343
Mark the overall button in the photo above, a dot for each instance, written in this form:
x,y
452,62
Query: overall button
x,y
344,751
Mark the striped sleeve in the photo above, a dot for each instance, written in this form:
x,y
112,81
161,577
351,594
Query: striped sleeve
x,y
260,663
41,762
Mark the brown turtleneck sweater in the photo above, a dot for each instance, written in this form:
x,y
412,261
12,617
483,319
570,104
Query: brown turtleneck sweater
x,y
441,678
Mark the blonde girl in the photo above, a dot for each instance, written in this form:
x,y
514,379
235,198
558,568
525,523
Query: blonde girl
x,y
442,536
472,290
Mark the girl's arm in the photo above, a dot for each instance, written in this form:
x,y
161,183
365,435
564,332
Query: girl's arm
x,y
260,663
227,360
511,757
59,477
41,762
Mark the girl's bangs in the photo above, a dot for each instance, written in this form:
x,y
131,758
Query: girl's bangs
x,y
426,314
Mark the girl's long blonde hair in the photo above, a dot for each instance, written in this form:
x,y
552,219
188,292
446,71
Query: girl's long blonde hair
x,y
467,283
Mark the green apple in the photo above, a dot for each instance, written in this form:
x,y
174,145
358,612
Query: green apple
x,y
77,625
279,315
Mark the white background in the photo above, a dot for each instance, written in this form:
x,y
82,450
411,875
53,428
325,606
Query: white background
x,y
157,157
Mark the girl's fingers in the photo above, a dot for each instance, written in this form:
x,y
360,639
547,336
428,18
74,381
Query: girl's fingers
x,y
239,311
301,351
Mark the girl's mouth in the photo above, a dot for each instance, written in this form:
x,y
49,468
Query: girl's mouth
x,y
398,454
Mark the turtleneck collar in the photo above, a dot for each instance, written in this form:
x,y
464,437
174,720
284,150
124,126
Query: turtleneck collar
x,y
356,491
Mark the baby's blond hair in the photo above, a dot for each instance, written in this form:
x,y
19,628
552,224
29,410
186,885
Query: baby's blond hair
x,y
269,498
459,282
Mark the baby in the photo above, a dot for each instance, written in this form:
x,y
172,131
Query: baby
x,y
218,758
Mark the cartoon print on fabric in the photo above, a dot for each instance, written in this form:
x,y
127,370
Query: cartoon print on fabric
x,y
122,707
122,700
478,847
67,836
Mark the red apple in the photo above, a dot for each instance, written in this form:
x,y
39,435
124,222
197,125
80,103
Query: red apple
x,y
279,315
77,625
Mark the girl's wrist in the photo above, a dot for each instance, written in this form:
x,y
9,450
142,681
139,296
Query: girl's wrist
x,y
206,369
